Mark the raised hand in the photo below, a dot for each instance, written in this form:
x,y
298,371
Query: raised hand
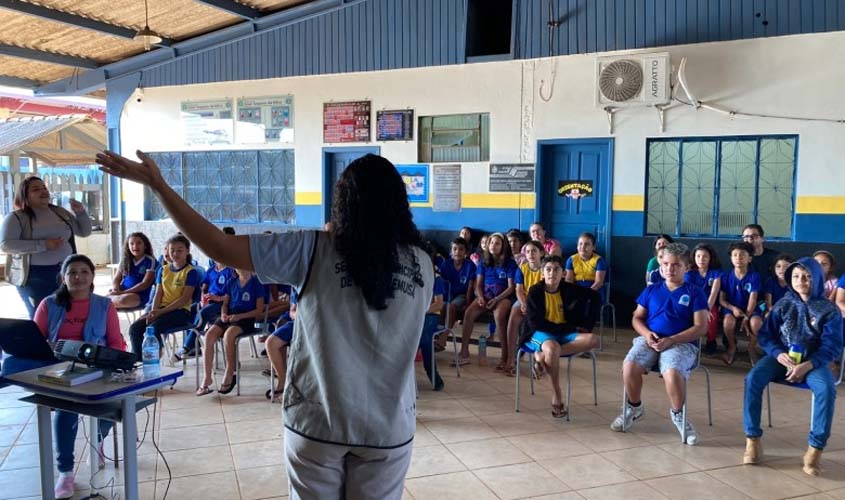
x,y
76,206
145,172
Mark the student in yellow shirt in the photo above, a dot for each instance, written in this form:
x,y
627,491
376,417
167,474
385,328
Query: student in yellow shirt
x,y
528,274
586,268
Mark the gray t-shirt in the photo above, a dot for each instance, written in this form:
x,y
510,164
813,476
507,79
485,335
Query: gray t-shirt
x,y
46,225
350,377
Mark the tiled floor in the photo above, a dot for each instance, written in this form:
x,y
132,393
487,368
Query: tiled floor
x,y
470,444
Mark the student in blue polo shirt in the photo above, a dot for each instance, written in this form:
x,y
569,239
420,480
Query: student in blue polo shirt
x,y
135,275
840,294
214,288
670,318
243,303
741,287
459,273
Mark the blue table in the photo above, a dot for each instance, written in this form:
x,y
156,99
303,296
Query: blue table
x,y
117,401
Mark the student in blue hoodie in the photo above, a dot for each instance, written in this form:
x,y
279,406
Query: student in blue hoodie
x,y
803,320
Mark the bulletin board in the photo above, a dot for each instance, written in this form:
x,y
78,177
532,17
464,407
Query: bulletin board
x,y
207,123
416,181
346,122
395,125
264,119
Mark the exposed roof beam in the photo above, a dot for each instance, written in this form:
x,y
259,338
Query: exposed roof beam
x,y
74,20
48,57
13,81
90,81
234,8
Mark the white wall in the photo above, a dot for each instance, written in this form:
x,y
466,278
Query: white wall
x,y
798,75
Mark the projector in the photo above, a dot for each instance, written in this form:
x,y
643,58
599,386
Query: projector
x,y
94,355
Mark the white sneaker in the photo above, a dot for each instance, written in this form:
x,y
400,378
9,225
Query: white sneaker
x,y
630,414
678,420
64,486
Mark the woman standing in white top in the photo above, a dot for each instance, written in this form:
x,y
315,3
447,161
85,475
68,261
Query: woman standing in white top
x,y
349,398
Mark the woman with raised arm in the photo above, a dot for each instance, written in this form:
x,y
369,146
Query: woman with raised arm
x,y
363,292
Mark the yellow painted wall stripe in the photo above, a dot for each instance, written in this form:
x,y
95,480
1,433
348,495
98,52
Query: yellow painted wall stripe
x,y
308,198
497,200
820,205
629,202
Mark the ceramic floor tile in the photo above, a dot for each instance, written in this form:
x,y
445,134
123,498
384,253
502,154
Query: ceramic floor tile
x,y
195,462
20,483
218,486
459,430
628,491
695,486
21,457
831,478
424,437
707,454
247,431
489,405
260,454
433,460
262,482
514,424
189,417
520,481
603,439
488,453
441,410
197,436
548,445
9,433
569,495
648,462
237,408
456,486
587,471
761,482
16,416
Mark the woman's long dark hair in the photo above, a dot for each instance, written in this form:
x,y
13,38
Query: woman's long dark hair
x,y
372,222
126,258
489,259
715,263
63,294
21,202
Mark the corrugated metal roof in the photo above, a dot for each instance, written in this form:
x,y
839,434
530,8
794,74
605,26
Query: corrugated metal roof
x,y
56,140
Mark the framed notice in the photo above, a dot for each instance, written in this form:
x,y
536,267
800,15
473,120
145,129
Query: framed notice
x,y
346,122
446,180
395,125
512,178
260,120
416,181
207,123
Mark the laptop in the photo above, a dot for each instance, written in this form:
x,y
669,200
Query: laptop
x,y
22,338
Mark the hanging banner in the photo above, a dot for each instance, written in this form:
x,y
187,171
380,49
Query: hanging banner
x,y
264,119
447,188
512,178
207,123
346,122
575,189
416,181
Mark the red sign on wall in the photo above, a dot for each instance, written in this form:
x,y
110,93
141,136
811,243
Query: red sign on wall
x,y
346,121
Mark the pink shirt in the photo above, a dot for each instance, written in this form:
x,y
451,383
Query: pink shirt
x,y
71,328
549,244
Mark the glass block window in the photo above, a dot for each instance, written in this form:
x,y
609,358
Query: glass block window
x,y
716,186
231,186
454,138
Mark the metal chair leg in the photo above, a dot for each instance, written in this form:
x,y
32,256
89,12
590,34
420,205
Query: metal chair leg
x,y
568,383
518,357
237,365
114,443
769,405
595,381
709,404
624,407
684,416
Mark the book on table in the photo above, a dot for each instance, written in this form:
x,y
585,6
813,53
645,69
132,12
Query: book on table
x,y
70,377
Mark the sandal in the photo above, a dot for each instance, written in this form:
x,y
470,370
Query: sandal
x,y
274,396
265,372
511,371
203,390
501,366
228,388
729,357
539,369
558,411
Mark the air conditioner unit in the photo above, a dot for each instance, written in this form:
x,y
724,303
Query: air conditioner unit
x,y
633,80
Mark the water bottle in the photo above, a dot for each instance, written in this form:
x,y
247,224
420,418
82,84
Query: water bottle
x,y
482,350
796,353
150,354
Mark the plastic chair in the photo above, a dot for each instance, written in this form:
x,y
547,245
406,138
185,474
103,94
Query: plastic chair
x,y
524,349
698,365
606,304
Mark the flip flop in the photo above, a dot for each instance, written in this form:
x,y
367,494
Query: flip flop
x,y
203,390
558,411
275,395
539,369
228,388
729,359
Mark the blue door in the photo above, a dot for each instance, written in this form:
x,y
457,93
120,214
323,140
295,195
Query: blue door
x,y
574,195
335,161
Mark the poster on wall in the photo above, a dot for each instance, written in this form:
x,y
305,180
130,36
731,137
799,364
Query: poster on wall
x,y
510,178
447,188
346,122
395,125
416,181
575,189
260,120
207,123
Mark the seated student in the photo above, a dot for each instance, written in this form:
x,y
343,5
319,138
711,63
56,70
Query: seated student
x,y
556,325
460,273
528,274
740,288
482,248
840,294
430,323
515,241
801,336
586,268
828,263
134,277
706,275
494,286
74,312
653,265
670,317
175,285
277,347
550,245
776,286
243,304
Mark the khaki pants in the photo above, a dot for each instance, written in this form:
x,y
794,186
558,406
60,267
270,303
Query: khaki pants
x,y
321,471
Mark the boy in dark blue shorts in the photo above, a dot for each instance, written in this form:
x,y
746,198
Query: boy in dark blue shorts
x,y
670,318
459,272
741,287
